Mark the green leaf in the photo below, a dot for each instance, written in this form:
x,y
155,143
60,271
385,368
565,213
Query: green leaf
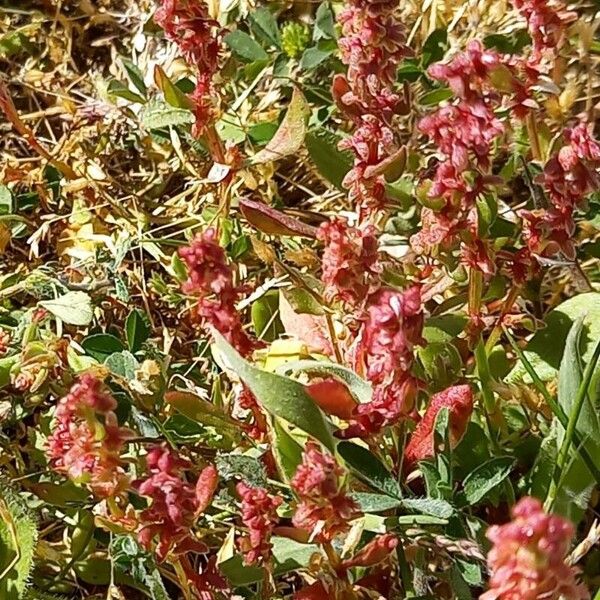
x,y
313,57
280,396
332,163
119,89
173,95
18,540
264,26
369,469
571,493
137,329
135,75
244,46
6,200
433,507
123,364
290,136
287,451
545,349
101,345
265,316
436,96
158,115
324,23
290,554
486,477
239,466
73,308
360,388
302,301
374,503
570,377
202,411
435,47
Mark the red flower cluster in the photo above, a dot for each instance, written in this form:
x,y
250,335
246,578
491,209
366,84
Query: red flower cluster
x,y
259,515
464,133
372,45
547,21
392,327
350,255
568,178
459,402
211,279
384,354
175,503
527,560
83,446
325,510
188,24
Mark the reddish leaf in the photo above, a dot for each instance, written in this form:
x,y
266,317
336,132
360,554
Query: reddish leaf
x,y
206,487
375,551
289,138
271,221
459,400
333,397
309,329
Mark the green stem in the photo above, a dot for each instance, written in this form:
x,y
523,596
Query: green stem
x,y
570,433
556,408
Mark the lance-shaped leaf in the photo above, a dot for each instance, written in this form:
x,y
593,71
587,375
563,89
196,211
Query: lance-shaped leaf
x,y
289,138
273,222
360,388
280,396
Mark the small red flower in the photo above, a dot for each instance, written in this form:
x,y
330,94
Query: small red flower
x,y
392,327
188,24
527,560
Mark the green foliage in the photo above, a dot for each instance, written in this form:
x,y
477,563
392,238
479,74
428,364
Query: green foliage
x,y
18,539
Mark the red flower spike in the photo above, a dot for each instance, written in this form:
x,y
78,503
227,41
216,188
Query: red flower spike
x,y
333,397
211,280
459,400
527,560
175,504
84,447
324,509
350,256
188,24
259,515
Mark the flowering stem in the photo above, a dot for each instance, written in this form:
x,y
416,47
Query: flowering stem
x,y
534,139
182,578
475,291
497,331
334,341
563,453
